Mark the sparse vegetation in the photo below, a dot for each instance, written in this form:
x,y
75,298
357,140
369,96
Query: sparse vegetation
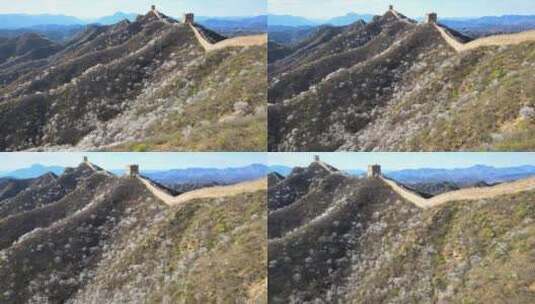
x,y
354,240
400,87
109,240
145,85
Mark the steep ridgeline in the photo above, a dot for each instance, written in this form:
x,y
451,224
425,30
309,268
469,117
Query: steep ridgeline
x,y
10,187
299,181
110,240
28,46
355,240
139,85
394,84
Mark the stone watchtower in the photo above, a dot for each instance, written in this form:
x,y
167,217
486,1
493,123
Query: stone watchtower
x,y
189,18
432,18
153,7
132,170
390,7
374,171
86,159
316,158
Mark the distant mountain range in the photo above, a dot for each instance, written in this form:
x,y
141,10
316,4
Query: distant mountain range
x,y
289,20
506,20
173,176
461,176
224,24
32,171
56,33
18,21
208,175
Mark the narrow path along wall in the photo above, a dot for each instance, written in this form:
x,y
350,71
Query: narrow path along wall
x,y
522,185
496,40
210,192
97,170
400,17
241,41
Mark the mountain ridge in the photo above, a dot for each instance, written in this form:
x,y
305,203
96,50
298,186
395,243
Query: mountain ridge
x,y
372,88
355,240
149,108
456,22
115,218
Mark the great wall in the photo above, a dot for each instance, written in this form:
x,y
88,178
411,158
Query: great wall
x,y
467,194
241,41
204,193
374,171
495,40
132,171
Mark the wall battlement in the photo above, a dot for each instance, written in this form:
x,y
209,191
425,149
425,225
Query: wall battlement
x,y
432,18
374,171
132,170
189,18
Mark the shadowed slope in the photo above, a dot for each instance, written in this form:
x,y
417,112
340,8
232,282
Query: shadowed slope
x,y
45,190
403,88
10,187
111,240
118,87
357,241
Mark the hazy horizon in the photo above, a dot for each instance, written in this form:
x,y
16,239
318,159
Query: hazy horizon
x,y
317,9
393,161
100,8
119,160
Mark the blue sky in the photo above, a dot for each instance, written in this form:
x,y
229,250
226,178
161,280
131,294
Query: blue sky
x,y
147,161
322,9
98,8
165,161
397,161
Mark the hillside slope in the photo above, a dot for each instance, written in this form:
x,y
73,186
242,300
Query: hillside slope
x,y
142,85
399,86
27,46
10,187
109,240
354,240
